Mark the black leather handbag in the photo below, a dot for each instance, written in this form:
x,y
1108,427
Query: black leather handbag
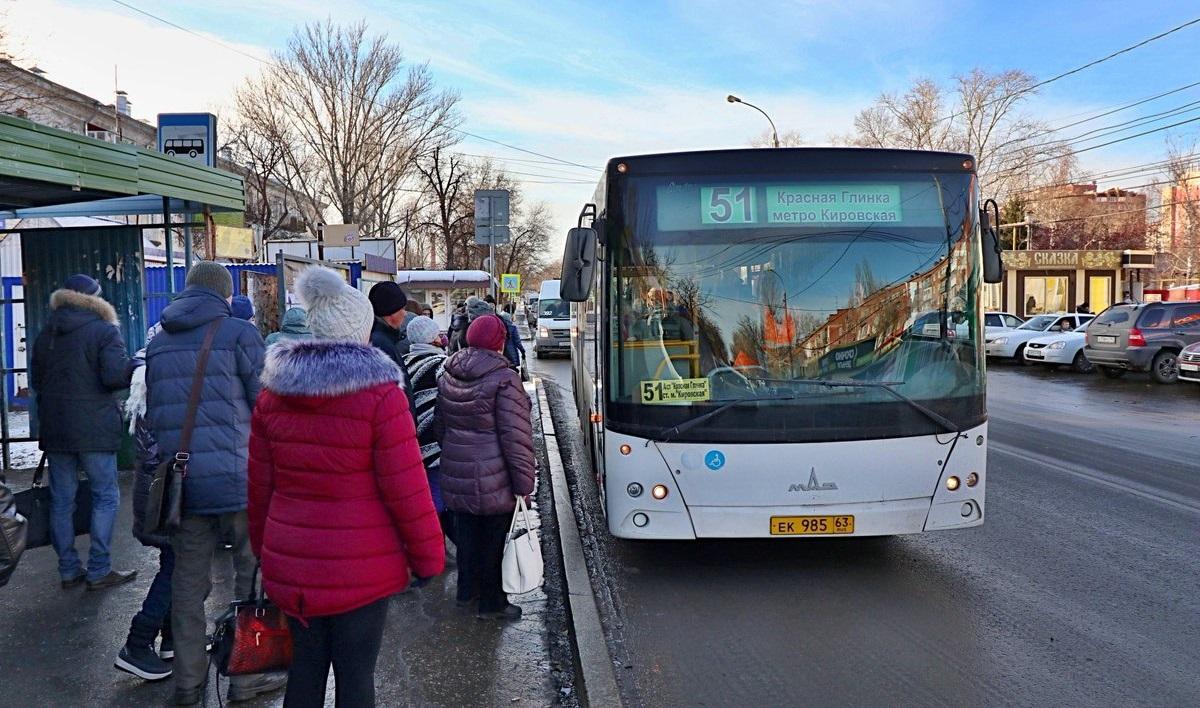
x,y
34,505
164,502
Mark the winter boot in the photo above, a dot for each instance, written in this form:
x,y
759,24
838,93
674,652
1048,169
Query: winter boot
x,y
141,661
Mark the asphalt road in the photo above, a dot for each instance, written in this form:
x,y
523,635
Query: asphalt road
x,y
1082,587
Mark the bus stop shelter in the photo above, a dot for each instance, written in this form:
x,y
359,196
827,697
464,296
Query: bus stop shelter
x,y
48,174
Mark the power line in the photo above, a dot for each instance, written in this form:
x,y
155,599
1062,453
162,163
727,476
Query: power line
x,y
1078,69
1102,131
518,159
276,65
1095,147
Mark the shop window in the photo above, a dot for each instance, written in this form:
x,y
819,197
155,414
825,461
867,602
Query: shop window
x,y
1099,292
993,297
1045,294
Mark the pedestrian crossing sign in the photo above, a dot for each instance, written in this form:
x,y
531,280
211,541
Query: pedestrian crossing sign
x,y
510,283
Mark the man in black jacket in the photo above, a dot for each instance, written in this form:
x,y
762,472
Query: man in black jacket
x,y
79,362
388,301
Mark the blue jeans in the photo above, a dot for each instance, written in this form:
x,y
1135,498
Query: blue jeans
x,y
155,615
101,470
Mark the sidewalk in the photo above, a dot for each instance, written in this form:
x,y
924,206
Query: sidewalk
x,y
60,645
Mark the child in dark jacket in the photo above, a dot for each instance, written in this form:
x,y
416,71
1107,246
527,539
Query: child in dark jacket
x,y
138,656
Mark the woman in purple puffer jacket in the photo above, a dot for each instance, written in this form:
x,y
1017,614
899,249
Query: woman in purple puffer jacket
x,y
483,425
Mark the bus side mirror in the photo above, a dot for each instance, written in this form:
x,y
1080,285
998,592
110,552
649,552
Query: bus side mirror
x,y
578,265
993,267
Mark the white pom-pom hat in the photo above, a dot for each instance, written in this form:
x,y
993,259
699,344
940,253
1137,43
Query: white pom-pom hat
x,y
336,311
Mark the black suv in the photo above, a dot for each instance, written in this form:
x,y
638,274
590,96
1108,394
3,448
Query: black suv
x,y
1143,337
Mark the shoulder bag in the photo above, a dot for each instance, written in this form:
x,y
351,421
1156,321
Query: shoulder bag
x,y
34,505
164,501
521,568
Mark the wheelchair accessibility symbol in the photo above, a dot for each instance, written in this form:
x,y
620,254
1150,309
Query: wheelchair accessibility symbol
x,y
714,459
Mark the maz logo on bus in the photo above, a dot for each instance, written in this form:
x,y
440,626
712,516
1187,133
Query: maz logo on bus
x,y
814,485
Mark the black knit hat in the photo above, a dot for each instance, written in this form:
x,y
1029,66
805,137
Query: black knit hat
x,y
387,298
82,283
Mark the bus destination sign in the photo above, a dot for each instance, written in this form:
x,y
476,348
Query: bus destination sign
x,y
833,204
788,205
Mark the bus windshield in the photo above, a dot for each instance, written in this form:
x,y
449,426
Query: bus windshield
x,y
769,288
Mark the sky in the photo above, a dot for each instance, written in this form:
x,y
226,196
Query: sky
x,y
585,82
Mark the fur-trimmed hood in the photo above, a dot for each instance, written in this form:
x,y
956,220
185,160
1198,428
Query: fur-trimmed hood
x,y
324,368
94,304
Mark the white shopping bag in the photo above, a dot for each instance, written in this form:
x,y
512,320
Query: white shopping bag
x,y
521,568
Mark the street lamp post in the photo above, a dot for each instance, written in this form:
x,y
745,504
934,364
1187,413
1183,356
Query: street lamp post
x,y
774,133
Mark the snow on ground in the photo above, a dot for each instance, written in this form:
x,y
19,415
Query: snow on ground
x,y
22,455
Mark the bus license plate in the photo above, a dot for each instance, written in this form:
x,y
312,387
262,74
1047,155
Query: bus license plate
x,y
811,525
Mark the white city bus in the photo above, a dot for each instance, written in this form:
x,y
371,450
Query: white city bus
x,y
783,342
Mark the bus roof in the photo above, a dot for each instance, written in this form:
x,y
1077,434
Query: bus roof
x,y
820,159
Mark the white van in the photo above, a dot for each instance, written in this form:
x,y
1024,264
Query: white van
x,y
554,322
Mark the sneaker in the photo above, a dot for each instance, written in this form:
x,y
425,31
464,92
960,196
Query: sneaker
x,y
113,579
75,582
142,662
243,688
509,613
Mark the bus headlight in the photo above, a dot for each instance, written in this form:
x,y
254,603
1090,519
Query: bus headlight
x,y
952,483
543,332
634,489
972,479
659,491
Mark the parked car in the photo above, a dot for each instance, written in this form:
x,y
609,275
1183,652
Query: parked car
x,y
1189,363
1062,349
996,321
1011,343
1143,337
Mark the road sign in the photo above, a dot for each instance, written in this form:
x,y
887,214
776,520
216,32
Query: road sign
x,y
339,234
491,216
483,235
189,136
510,283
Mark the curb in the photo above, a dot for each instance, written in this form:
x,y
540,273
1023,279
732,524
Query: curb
x,y
595,663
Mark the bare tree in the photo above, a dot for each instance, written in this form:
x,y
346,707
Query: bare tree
x,y
444,182
352,117
980,115
788,138
1179,239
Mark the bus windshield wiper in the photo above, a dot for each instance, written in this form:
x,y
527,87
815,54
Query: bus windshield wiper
x,y
670,431
888,386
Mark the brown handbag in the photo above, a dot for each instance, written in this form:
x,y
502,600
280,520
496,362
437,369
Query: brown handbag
x,y
164,503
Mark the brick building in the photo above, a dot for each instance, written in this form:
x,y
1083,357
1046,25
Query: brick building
x,y
1083,217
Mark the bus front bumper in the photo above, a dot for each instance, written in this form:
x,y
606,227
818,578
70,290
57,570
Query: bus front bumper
x,y
902,516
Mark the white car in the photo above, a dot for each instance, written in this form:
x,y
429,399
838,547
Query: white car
x,y
1061,349
1189,363
1010,343
996,321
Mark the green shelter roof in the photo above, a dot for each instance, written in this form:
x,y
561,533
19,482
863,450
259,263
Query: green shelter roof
x,y
42,166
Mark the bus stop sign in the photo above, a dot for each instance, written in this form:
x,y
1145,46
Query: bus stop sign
x,y
189,136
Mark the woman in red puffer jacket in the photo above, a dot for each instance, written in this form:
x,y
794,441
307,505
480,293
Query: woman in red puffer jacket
x,y
340,511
